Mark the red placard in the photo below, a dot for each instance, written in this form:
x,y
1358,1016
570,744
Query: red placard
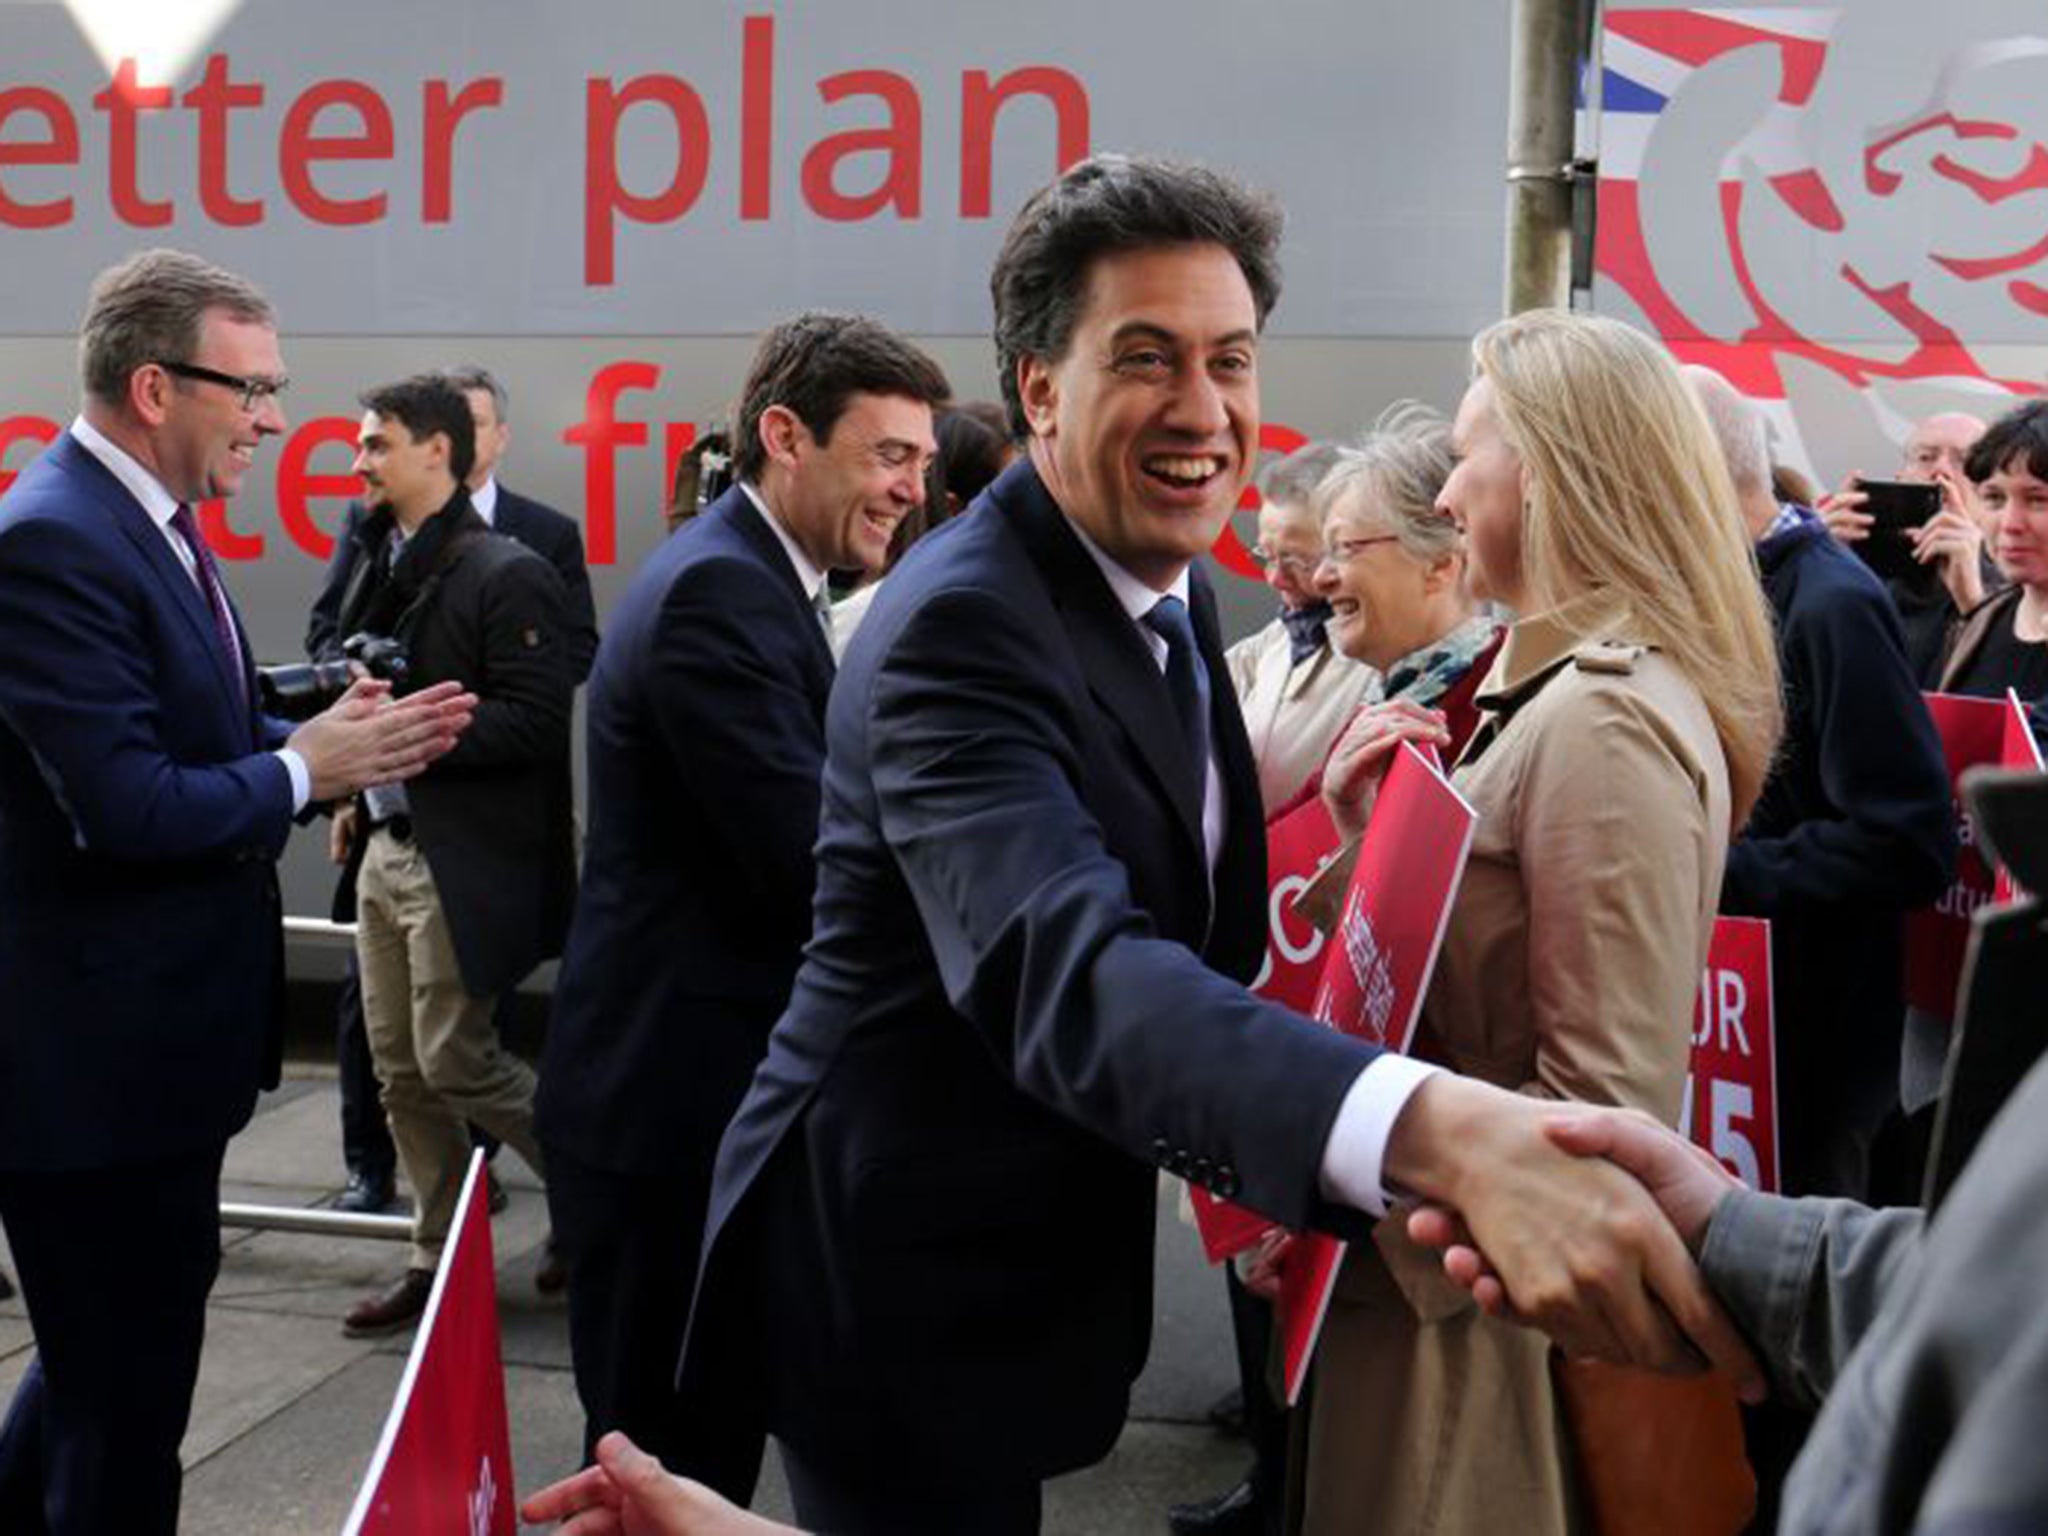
x,y
1297,846
1409,864
1972,734
2017,749
1731,1092
444,1462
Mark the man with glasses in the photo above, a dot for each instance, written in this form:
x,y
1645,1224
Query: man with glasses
x,y
1297,693
147,799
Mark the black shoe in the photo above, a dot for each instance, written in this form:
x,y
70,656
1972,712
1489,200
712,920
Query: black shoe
x,y
389,1311
6,1287
365,1196
1236,1513
494,1192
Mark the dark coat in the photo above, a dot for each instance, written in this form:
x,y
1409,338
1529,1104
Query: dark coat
x,y
494,817
141,953
548,533
931,1230
706,738
1853,829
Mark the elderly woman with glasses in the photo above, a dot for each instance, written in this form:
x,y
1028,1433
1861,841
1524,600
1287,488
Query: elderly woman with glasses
x,y
1294,690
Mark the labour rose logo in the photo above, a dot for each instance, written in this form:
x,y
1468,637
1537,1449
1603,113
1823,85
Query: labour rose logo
x,y
1844,211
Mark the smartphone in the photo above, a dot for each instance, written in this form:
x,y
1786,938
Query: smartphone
x,y
1896,506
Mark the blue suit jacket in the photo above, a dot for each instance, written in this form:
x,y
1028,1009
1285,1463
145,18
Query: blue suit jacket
x,y
706,738
140,817
931,1229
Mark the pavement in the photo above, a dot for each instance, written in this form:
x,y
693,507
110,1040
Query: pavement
x,y
288,1411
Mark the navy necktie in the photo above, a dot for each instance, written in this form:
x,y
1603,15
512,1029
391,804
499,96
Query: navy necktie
x,y
1186,678
216,595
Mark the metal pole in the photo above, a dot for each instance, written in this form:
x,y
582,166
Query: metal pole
x,y
292,1218
1543,59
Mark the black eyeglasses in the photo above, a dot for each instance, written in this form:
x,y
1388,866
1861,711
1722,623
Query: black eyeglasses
x,y
253,392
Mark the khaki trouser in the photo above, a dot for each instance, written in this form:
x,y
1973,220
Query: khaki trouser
x,y
438,1055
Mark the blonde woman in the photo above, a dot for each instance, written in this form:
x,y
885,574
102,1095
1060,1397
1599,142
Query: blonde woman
x,y
1625,729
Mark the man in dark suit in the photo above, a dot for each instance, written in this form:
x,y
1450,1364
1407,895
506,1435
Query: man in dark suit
x,y
1040,881
464,879
365,1139
706,739
143,801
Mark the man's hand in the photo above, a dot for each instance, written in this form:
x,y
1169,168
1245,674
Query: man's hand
x,y
1579,1247
365,737
1842,511
341,833
629,1493
1363,754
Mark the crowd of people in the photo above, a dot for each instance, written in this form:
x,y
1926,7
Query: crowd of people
x,y
924,875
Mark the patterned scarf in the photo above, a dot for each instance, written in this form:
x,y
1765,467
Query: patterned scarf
x,y
1424,676
1305,631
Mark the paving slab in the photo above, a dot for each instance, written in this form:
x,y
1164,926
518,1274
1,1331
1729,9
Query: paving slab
x,y
255,1367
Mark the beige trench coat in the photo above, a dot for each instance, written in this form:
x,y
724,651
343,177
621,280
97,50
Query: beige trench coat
x,y
1569,969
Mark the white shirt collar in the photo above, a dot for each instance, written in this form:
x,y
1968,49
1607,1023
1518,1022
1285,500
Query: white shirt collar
x,y
159,503
808,576
485,499
1136,598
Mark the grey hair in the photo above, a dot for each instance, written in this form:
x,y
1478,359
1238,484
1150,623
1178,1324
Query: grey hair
x,y
1292,481
472,376
149,309
1396,470
1737,426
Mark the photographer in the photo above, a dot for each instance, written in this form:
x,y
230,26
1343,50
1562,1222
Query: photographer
x,y
463,878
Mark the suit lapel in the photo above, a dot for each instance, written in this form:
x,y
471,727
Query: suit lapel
x,y
182,590
737,510
1118,665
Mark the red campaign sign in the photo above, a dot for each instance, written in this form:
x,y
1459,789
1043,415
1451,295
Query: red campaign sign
x,y
1296,847
2017,749
1972,735
1731,1092
1409,864
444,1462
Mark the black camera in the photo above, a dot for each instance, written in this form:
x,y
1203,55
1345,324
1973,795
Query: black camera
x,y
300,690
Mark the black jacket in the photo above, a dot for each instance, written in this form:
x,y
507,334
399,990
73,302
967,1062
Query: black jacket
x,y
1854,828
494,816
548,533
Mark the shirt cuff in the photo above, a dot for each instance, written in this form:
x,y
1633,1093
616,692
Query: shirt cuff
x,y
295,770
1356,1152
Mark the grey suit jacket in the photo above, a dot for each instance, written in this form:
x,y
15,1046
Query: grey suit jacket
x,y
1928,1339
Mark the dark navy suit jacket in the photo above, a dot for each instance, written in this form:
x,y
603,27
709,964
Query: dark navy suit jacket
x,y
140,816
931,1228
706,738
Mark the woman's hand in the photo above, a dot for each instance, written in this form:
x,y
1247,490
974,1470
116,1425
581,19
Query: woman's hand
x,y
1359,761
1952,542
1265,1263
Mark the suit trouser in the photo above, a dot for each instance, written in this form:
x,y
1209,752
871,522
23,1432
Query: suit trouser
x,y
829,1502
437,1053
629,1242
90,1444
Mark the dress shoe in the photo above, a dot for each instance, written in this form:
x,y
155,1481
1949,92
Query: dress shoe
x,y
365,1196
389,1311
494,1192
551,1275
1236,1513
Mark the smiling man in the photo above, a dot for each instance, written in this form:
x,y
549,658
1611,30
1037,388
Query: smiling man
x,y
1041,881
145,798
706,740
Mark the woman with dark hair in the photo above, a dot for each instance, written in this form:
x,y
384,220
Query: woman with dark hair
x,y
2003,642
